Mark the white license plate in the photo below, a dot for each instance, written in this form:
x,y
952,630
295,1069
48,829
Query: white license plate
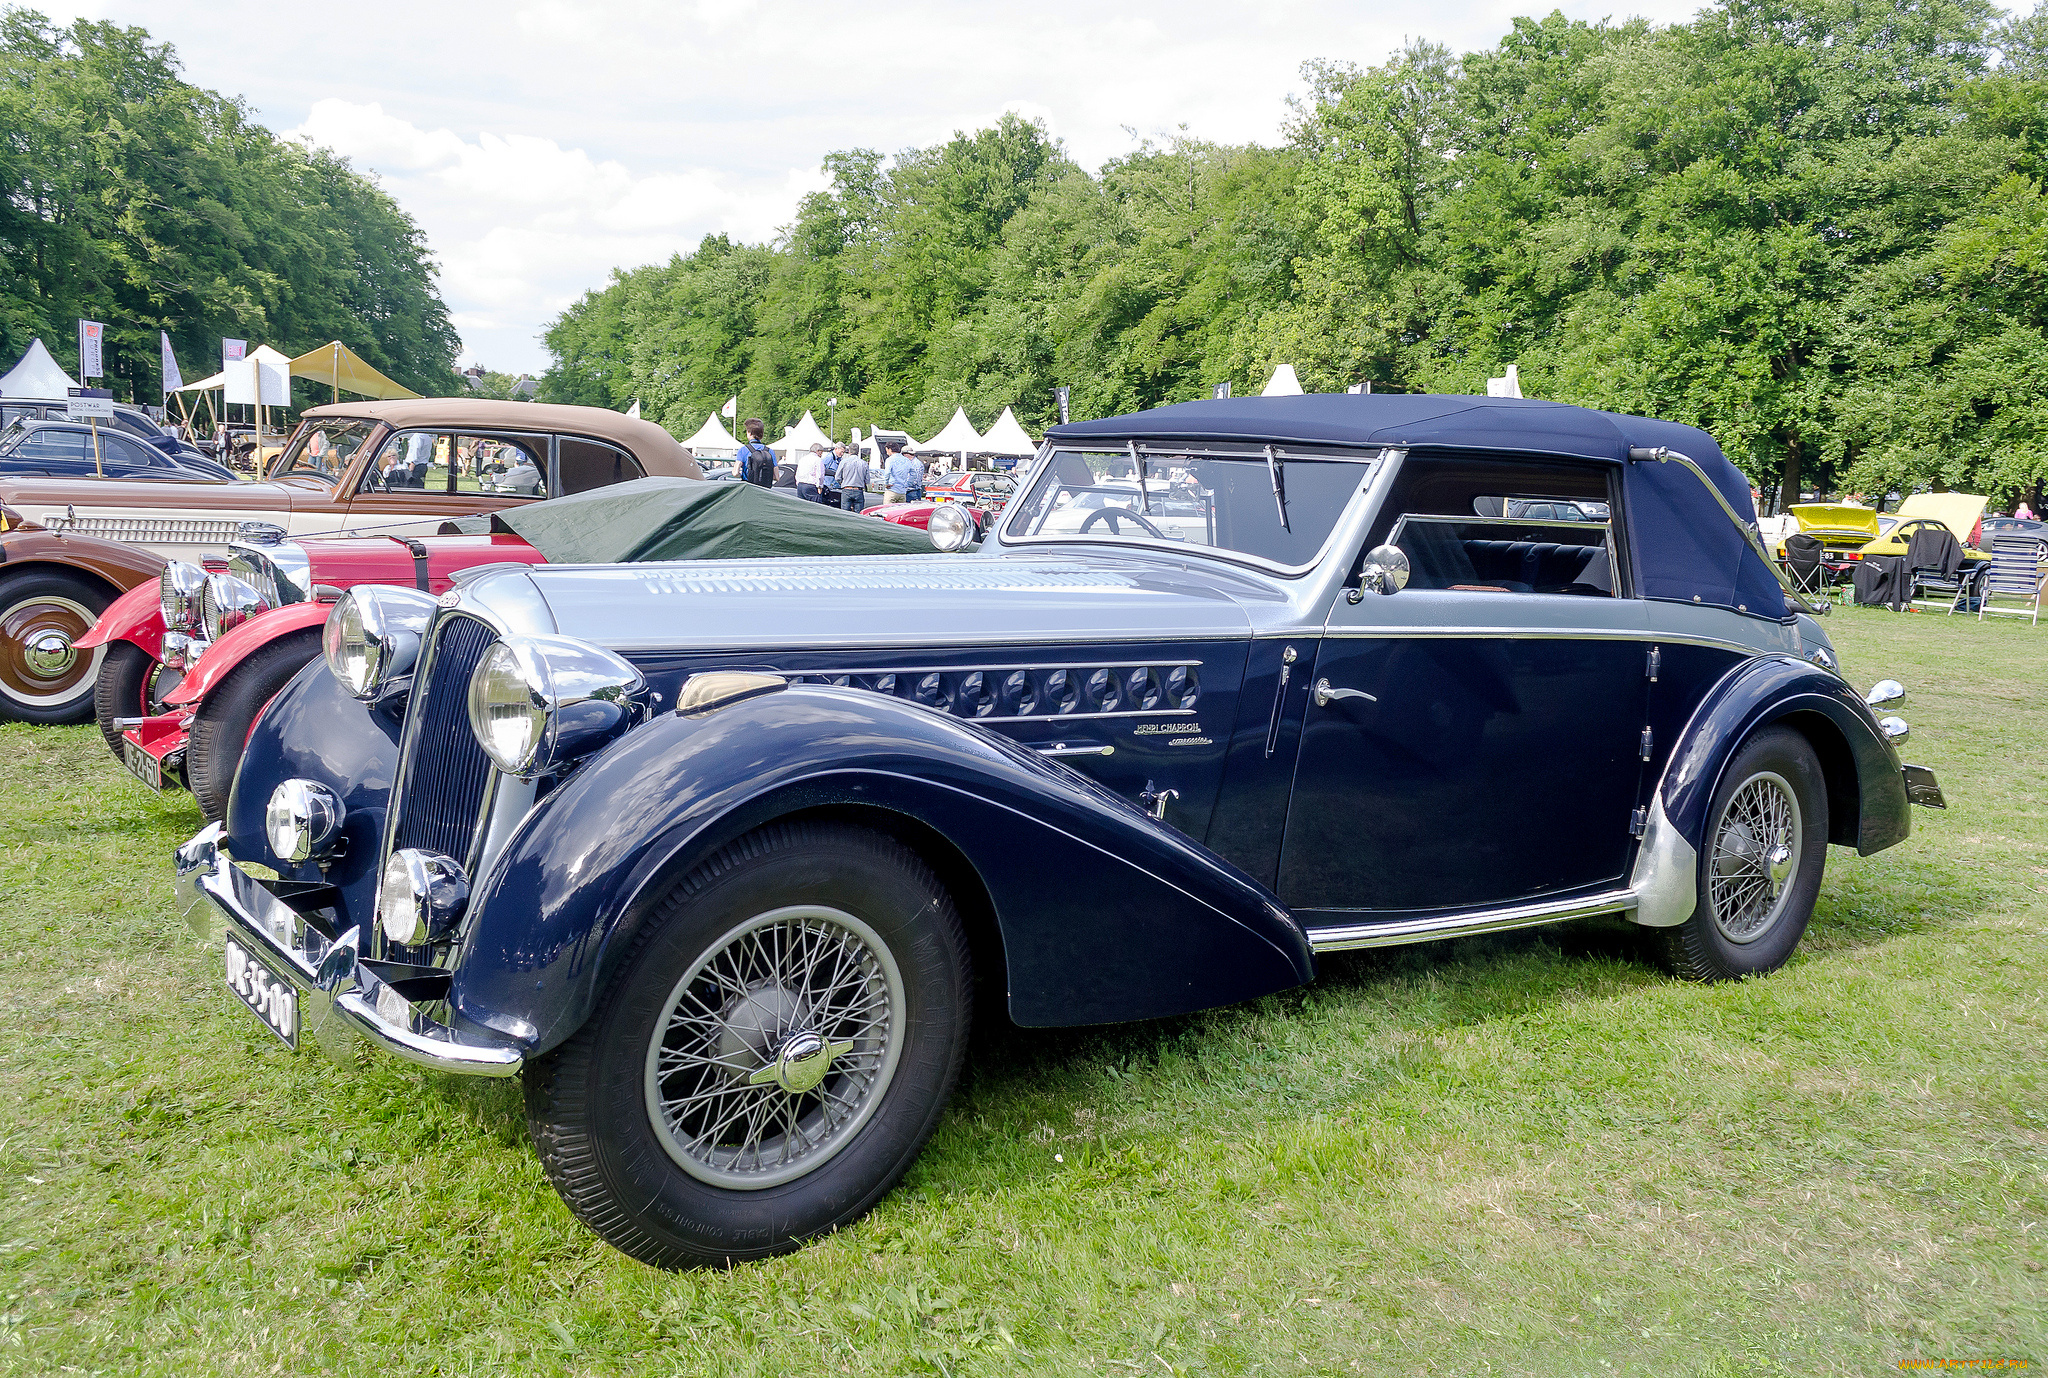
x,y
142,765
270,998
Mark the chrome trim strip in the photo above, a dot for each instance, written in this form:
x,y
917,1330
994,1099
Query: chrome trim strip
x,y
1393,933
916,640
998,669
1532,634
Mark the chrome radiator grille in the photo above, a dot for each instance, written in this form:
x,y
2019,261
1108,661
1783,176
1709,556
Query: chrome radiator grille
x,y
147,530
446,775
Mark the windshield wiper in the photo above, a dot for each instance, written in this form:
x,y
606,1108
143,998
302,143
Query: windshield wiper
x,y
1279,486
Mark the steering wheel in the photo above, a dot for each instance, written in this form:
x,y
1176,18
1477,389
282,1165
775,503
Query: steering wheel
x,y
1115,516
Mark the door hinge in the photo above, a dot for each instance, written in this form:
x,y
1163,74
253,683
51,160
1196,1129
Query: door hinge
x,y
1655,662
1639,821
1646,743
1287,659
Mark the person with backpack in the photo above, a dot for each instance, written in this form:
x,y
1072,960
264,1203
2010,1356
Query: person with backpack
x,y
756,460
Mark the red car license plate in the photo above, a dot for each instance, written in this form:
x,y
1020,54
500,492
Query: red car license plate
x,y
142,765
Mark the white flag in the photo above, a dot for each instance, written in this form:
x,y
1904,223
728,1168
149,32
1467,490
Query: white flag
x,y
730,409
634,410
173,380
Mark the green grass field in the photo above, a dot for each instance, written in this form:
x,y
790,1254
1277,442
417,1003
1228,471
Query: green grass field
x,y
1534,1154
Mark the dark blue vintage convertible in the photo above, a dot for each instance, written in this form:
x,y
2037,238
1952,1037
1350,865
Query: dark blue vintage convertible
x,y
718,856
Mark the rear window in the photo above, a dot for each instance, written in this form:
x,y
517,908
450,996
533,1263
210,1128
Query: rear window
x,y
588,464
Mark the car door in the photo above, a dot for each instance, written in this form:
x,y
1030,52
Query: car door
x,y
1474,740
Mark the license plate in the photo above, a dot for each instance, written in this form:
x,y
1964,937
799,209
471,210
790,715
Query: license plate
x,y
142,765
269,997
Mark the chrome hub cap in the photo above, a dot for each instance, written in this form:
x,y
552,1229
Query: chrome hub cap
x,y
1755,853
40,665
775,1047
50,654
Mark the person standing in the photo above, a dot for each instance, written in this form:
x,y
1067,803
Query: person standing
x,y
828,490
853,482
757,461
903,475
810,473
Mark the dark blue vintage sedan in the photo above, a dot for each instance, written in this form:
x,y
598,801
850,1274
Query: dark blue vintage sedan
x,y
718,857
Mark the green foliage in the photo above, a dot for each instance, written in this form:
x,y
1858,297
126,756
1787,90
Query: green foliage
x,y
1812,227
134,198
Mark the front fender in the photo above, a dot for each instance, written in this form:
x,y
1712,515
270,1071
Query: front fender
x,y
231,650
1104,913
136,616
1867,805
315,730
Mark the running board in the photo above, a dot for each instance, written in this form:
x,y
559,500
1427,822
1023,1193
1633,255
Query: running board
x,y
1394,932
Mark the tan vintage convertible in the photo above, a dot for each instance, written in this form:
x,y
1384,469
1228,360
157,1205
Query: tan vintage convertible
x,y
363,469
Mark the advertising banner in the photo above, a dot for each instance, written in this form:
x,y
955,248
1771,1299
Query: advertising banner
x,y
91,336
173,380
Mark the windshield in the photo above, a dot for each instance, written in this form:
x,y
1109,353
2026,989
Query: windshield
x,y
322,449
1233,499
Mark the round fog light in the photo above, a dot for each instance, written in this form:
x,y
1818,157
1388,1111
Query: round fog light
x,y
949,526
421,897
302,821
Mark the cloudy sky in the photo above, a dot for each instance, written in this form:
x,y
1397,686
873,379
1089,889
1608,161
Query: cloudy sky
x,y
541,143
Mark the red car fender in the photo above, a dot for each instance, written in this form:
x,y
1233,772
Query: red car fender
x,y
238,645
136,616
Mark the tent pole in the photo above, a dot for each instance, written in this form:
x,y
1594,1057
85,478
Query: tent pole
x,y
337,371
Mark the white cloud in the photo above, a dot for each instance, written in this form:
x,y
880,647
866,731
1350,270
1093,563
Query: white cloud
x,y
543,142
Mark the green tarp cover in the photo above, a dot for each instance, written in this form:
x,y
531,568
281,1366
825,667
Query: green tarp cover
x,y
692,519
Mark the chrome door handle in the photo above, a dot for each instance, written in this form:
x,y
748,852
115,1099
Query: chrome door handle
x,y
1077,749
1325,695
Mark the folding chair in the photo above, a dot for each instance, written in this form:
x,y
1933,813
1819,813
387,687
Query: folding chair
x,y
2016,572
1802,562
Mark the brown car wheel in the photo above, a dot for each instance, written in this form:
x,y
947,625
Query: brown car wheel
x,y
44,678
131,684
220,728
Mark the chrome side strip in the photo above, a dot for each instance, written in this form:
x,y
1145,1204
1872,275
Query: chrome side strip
x,y
1351,936
1395,633
1000,669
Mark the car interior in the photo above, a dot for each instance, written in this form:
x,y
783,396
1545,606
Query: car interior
x,y
1490,526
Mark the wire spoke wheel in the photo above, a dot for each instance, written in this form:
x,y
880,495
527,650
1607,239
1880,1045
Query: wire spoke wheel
x,y
1756,850
775,1047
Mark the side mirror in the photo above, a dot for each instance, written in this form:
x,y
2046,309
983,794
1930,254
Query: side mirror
x,y
1885,693
1385,571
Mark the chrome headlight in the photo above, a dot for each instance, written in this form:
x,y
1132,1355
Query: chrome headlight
x,y
225,603
539,703
949,526
178,591
421,897
302,820
374,634
282,573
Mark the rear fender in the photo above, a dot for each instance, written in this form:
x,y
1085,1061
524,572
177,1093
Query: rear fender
x,y
1867,806
224,655
137,617
1104,913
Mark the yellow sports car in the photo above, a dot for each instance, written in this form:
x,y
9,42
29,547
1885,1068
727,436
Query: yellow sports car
x,y
1960,514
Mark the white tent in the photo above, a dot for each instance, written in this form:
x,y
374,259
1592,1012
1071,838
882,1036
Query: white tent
x,y
37,376
1283,383
959,437
712,440
1509,386
801,436
1007,438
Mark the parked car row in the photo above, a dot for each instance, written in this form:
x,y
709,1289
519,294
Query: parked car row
x,y
716,833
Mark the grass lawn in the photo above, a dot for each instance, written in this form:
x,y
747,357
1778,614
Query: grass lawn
x,y
1524,1154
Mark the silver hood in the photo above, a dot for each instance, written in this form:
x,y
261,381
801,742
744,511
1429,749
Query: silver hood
x,y
873,602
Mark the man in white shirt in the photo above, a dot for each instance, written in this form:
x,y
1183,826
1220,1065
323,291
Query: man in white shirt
x,y
810,473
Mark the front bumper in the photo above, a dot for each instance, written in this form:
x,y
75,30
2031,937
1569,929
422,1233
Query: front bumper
x,y
342,996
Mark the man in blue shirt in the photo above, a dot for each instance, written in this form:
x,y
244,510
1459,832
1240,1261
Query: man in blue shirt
x,y
903,475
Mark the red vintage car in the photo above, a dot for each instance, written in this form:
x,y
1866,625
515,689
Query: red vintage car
x,y
176,717
193,657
